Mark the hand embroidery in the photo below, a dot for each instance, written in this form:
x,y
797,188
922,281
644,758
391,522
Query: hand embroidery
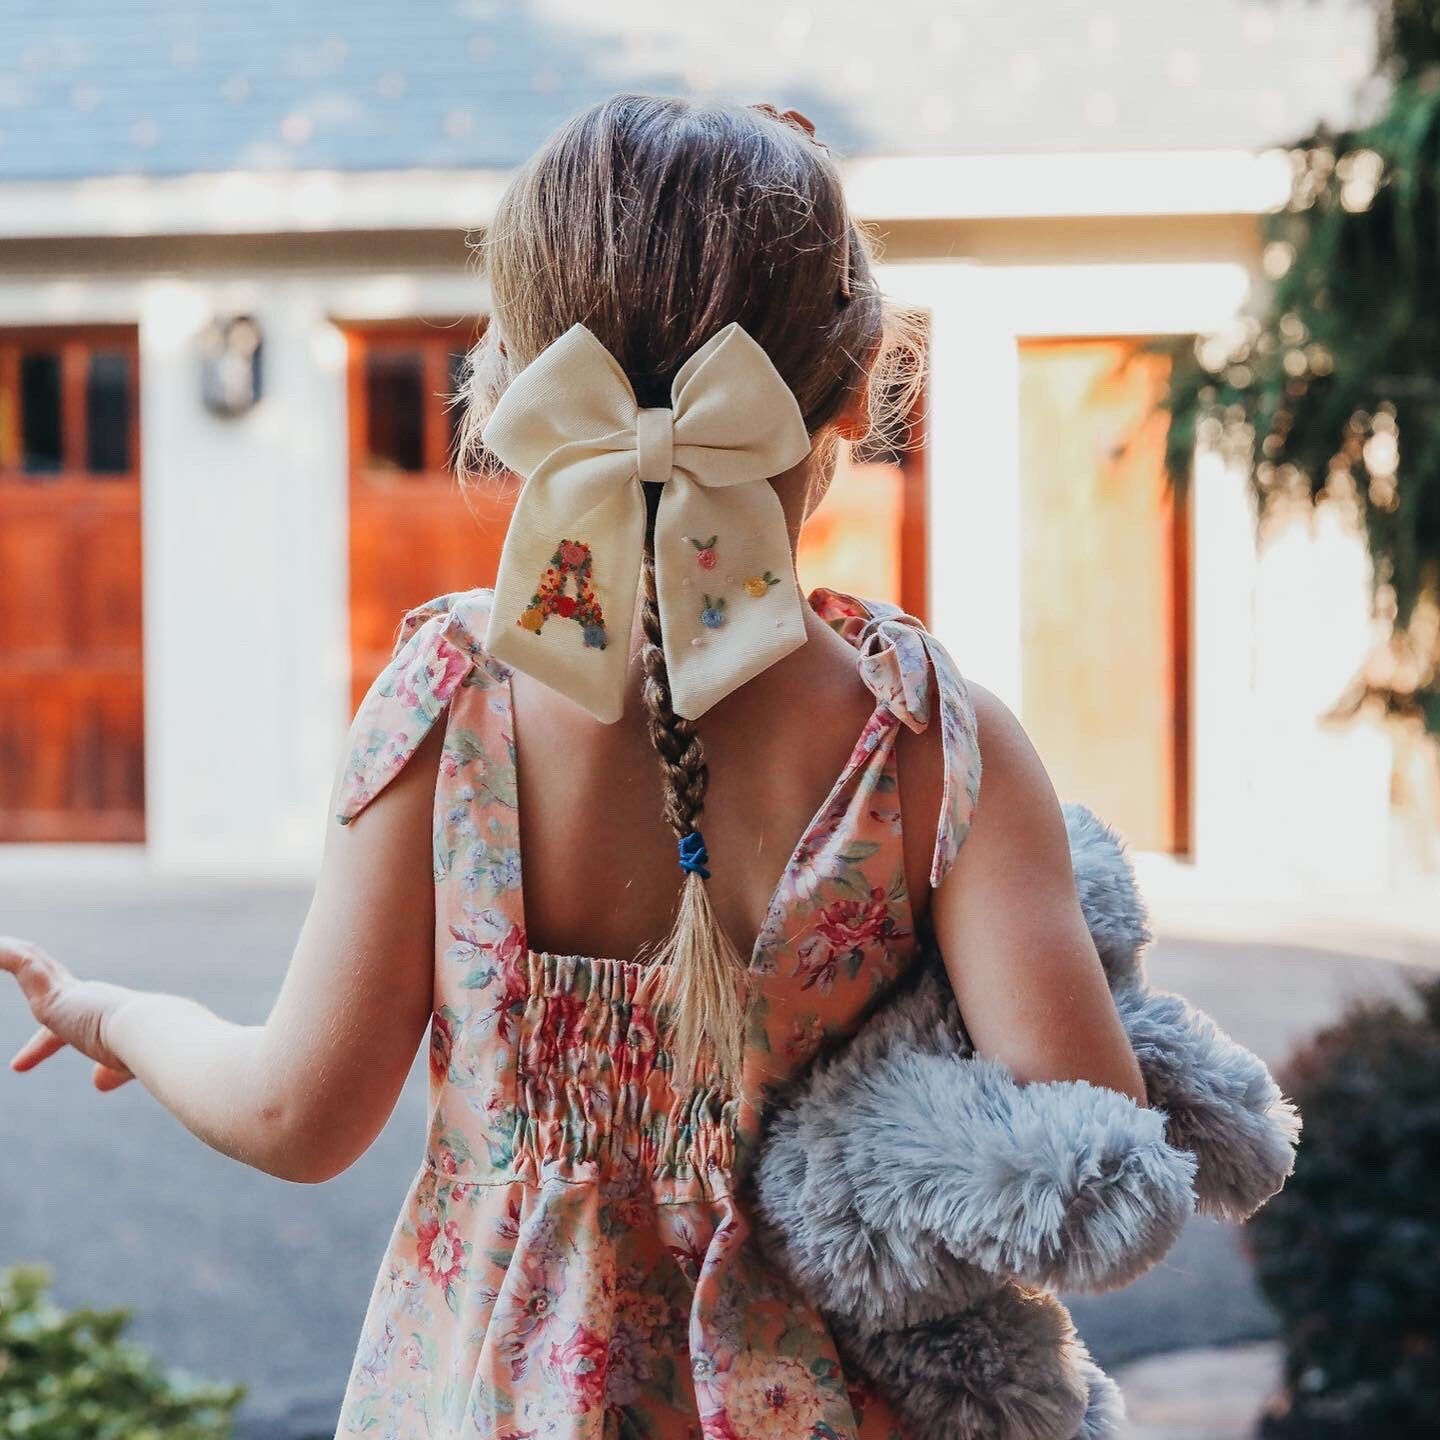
x,y
705,557
571,562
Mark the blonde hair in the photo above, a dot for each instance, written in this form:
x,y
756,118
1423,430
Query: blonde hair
x,y
655,222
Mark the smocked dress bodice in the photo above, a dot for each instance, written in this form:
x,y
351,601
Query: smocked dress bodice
x,y
574,1257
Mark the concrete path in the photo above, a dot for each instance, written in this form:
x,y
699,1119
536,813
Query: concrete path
x,y
1203,1394
239,1276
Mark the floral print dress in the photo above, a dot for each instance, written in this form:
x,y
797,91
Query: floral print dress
x,y
574,1258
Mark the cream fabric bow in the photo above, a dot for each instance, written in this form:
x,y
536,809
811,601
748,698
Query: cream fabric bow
x,y
570,567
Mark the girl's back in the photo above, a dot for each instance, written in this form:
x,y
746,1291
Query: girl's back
x,y
600,869
574,1242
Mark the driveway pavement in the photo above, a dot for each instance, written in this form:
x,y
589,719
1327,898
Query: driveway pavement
x,y
238,1276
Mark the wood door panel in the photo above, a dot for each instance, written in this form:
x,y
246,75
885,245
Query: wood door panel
x,y
1104,586
413,533
71,661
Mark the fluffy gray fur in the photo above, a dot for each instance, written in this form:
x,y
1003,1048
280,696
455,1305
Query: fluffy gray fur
x,y
926,1201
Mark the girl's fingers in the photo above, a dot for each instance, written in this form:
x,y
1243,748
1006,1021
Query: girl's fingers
x,y
37,973
42,1044
106,1078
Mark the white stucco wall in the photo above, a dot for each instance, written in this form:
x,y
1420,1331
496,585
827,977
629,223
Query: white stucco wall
x,y
246,536
1284,805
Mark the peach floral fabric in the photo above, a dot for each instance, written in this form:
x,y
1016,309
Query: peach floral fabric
x,y
574,1257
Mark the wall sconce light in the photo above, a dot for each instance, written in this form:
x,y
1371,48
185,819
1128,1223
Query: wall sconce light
x,y
230,365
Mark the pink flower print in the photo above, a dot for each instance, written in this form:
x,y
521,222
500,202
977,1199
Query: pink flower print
x,y
433,677
853,924
581,1362
441,1251
717,1426
573,554
410,1354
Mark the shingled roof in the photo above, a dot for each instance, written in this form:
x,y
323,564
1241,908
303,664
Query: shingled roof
x,y
164,87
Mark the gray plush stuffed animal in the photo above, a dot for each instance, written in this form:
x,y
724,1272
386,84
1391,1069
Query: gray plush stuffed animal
x,y
930,1204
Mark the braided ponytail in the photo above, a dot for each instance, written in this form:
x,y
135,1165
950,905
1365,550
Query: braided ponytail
x,y
704,983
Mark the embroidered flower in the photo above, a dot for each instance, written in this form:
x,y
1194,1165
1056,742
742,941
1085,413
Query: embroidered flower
x,y
705,556
712,616
573,554
759,585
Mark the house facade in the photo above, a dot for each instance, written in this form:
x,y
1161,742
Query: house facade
x,y
235,288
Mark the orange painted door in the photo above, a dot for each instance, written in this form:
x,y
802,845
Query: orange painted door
x,y
413,532
71,666
1105,586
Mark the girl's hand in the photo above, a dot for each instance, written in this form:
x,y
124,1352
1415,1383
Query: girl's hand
x,y
70,1011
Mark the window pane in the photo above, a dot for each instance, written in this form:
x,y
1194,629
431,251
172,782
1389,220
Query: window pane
x,y
107,414
40,412
395,410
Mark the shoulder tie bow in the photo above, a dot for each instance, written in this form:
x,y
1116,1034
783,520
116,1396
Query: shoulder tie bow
x,y
729,602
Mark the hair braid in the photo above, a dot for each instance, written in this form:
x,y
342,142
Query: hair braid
x,y
704,982
676,740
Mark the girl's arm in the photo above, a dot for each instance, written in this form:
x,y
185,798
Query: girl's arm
x,y
1025,971
305,1094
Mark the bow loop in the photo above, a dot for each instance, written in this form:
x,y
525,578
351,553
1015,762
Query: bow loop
x,y
729,602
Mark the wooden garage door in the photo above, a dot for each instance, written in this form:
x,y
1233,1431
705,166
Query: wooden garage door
x,y
71,673
1105,586
413,534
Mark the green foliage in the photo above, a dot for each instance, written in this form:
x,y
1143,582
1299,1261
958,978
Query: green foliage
x,y
1334,387
70,1376
1348,1252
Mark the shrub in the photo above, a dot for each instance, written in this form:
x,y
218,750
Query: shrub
x,y
1349,1252
70,1376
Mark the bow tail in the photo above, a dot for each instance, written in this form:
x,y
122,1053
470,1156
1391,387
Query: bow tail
x,y
565,593
730,605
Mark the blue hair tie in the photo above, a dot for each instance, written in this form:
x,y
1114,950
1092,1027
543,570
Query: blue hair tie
x,y
693,855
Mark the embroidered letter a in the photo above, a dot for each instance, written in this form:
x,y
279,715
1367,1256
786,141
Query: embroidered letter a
x,y
570,562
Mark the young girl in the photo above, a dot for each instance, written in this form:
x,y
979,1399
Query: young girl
x,y
684,321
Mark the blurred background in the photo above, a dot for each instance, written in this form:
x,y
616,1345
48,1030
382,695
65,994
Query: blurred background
x,y
1173,492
